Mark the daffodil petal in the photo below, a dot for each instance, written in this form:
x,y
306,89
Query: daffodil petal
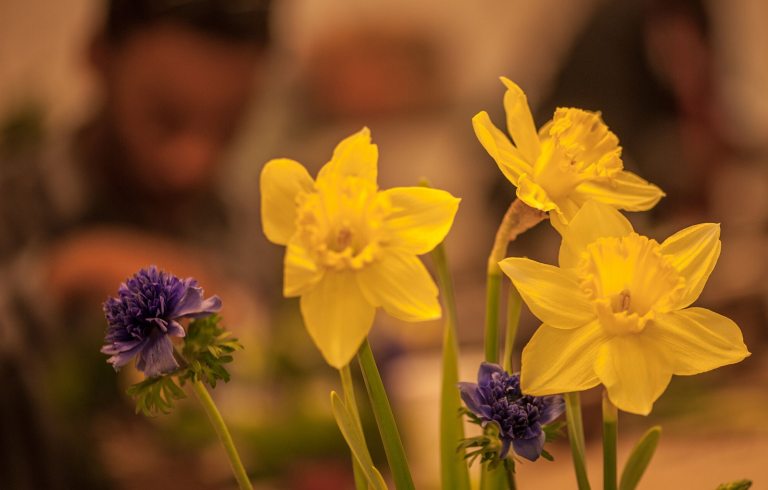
x,y
420,217
625,190
520,121
300,272
560,361
694,252
337,317
354,156
281,181
401,284
510,161
635,373
551,293
594,220
534,195
697,340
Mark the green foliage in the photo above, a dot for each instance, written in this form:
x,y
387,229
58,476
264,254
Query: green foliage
x,y
639,459
156,395
207,348
736,485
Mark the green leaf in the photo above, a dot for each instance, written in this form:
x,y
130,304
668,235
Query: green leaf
x,y
736,485
157,395
207,348
356,442
453,466
639,459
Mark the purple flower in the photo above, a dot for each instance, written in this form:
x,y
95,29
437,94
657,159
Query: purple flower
x,y
496,399
143,318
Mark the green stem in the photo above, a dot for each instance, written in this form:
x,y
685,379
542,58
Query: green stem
x,y
221,430
453,467
518,218
509,466
493,478
492,292
576,438
514,305
610,441
390,436
348,388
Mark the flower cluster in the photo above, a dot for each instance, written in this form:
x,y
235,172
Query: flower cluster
x,y
145,315
496,398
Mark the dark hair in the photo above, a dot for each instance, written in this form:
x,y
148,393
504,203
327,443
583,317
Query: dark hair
x,y
232,20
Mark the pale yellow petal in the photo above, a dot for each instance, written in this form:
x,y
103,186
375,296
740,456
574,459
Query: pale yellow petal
x,y
694,252
420,217
697,340
401,284
281,181
560,361
594,220
551,293
354,156
520,121
337,317
634,373
300,272
624,190
510,161
534,195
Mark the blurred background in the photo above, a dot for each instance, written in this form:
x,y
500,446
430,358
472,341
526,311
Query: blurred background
x,y
132,132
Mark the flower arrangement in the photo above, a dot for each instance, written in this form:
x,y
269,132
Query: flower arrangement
x,y
616,310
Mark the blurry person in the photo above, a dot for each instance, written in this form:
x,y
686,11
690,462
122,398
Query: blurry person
x,y
135,185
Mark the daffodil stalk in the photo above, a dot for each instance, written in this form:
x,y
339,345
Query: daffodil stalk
x,y
518,218
453,466
575,426
610,440
514,305
385,419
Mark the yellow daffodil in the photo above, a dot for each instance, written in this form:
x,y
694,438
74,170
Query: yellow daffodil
x,y
572,159
617,312
350,247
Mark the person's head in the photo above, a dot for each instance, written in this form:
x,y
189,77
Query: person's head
x,y
177,76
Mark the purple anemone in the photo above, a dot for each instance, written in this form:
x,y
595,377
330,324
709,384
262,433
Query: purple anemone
x,y
496,398
144,316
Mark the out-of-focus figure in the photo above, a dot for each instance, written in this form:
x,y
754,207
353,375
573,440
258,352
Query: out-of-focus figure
x,y
135,184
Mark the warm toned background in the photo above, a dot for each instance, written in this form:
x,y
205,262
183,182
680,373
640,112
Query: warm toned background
x,y
690,110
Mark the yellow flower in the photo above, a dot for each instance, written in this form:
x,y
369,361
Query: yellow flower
x,y
572,159
617,312
351,247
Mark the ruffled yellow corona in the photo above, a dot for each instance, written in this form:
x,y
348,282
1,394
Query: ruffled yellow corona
x,y
351,247
572,159
616,312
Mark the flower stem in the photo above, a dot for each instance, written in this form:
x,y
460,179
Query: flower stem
x,y
493,478
348,388
221,430
576,438
390,436
453,467
514,305
509,466
610,440
518,218
492,292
